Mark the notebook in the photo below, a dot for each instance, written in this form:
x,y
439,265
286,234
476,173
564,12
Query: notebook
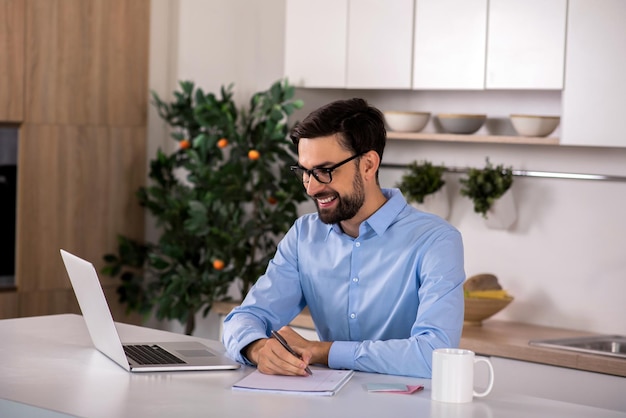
x,y
161,356
323,382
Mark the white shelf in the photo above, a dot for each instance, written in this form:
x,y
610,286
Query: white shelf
x,y
496,139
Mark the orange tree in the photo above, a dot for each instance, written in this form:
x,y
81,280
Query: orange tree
x,y
221,202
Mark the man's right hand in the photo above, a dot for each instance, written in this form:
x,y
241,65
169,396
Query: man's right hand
x,y
271,357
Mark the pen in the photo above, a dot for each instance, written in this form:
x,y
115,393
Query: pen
x,y
282,342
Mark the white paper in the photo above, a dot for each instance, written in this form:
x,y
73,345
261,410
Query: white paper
x,y
324,382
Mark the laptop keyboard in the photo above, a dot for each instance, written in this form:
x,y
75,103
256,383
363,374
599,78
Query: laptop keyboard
x,y
150,354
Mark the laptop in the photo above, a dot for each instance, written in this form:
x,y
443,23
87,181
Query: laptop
x,y
140,357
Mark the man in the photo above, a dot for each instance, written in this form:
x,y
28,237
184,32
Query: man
x,y
382,280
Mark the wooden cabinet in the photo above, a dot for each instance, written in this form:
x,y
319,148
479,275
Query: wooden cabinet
x,y
526,44
82,141
449,45
12,60
594,98
349,43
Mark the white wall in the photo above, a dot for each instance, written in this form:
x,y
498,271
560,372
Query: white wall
x,y
564,260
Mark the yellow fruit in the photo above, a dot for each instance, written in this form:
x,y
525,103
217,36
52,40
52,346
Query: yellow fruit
x,y
222,143
218,264
487,294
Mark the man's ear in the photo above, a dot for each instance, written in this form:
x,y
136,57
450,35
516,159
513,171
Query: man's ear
x,y
370,162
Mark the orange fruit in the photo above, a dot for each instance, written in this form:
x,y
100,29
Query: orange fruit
x,y
272,200
218,264
254,154
184,144
222,143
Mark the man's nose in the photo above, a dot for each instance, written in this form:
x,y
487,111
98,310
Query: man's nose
x,y
313,186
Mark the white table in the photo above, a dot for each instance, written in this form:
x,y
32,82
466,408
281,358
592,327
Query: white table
x,y
48,368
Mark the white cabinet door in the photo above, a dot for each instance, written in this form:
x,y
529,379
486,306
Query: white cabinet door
x,y
557,383
449,44
380,44
594,98
315,43
526,44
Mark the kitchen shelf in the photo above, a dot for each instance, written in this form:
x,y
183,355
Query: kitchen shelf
x,y
494,139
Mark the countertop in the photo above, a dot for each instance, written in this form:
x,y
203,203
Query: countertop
x,y
53,370
509,340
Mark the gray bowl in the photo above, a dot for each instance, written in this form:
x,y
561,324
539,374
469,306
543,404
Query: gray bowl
x,y
461,123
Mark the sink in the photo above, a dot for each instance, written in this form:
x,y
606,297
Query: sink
x,y
606,345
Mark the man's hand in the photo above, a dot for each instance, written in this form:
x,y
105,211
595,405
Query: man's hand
x,y
272,358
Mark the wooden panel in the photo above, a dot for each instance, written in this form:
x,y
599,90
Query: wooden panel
x,y
87,61
11,60
52,302
76,191
8,304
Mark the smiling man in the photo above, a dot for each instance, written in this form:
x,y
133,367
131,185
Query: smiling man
x,y
382,280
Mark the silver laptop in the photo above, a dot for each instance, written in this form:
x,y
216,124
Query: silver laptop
x,y
140,357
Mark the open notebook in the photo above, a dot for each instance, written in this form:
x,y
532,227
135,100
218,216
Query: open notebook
x,y
323,382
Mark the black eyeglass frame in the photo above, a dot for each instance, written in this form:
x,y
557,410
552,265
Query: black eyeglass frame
x,y
327,170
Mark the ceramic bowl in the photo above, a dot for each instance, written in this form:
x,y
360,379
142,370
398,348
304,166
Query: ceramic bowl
x,y
479,309
534,125
406,121
461,123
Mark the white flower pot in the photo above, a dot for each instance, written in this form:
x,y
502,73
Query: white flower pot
x,y
502,213
437,203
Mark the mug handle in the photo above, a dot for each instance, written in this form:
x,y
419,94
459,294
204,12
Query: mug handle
x,y
490,385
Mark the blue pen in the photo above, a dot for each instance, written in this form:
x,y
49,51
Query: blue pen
x,y
282,342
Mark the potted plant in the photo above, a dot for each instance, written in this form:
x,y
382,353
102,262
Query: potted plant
x,y
221,202
424,187
490,190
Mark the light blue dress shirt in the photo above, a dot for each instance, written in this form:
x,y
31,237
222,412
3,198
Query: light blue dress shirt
x,y
386,299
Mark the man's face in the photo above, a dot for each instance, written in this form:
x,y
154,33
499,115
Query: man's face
x,y
342,198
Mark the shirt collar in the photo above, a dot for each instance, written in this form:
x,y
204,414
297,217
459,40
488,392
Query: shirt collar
x,y
380,220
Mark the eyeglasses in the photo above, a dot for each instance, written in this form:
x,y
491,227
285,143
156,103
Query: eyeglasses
x,y
322,174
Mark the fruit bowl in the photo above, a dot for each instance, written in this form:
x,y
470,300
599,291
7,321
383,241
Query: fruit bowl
x,y
406,121
479,309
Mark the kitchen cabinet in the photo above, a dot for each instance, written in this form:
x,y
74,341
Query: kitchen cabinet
x,y
315,43
12,60
379,44
349,43
526,44
594,97
449,44
500,44
557,383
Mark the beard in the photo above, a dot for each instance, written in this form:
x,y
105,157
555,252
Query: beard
x,y
347,206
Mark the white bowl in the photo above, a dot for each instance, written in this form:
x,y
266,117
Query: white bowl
x,y
406,121
534,125
461,123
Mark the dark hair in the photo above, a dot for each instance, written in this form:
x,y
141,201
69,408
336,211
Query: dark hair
x,y
361,126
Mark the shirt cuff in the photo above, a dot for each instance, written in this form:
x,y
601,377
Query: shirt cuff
x,y
342,354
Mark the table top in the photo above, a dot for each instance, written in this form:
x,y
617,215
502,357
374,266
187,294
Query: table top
x,y
48,367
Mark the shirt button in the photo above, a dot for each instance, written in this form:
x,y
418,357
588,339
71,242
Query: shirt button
x,y
352,315
355,279
358,244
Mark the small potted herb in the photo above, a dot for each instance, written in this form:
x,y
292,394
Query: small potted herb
x,y
487,187
423,186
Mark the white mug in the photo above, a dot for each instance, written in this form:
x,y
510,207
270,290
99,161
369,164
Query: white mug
x,y
453,375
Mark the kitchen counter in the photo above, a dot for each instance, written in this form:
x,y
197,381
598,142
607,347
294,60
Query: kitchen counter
x,y
509,340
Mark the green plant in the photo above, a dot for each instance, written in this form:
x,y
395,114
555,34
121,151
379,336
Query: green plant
x,y
221,202
420,180
484,186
